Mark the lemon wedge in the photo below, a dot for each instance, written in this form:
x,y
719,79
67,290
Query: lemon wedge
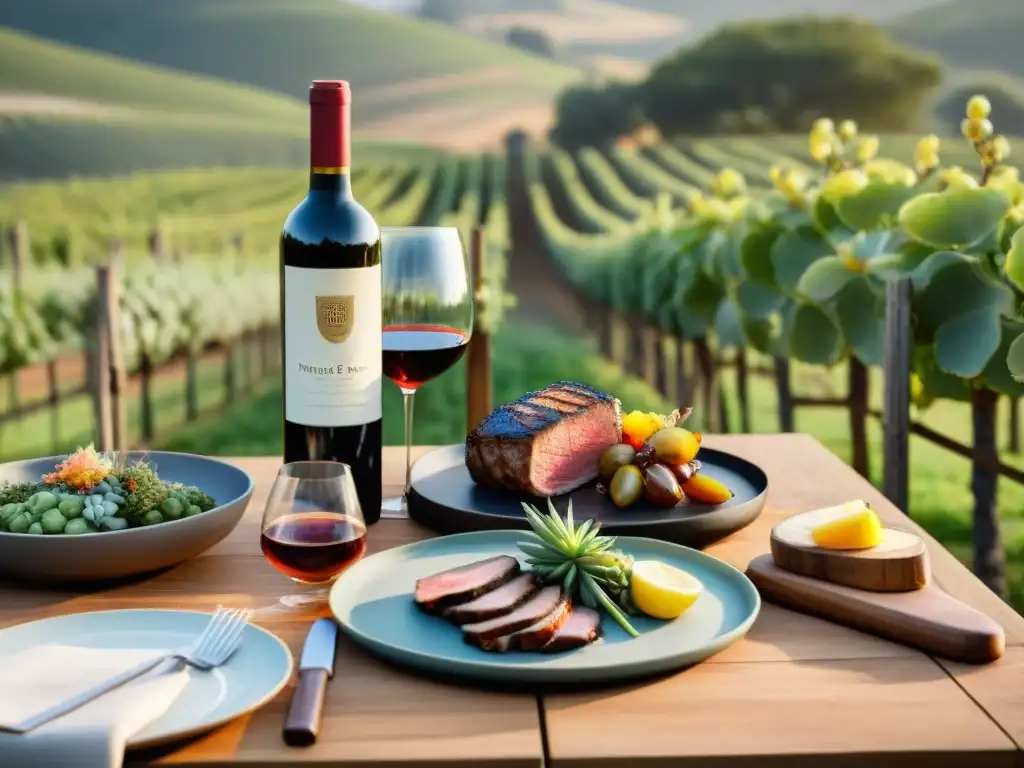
x,y
854,525
661,590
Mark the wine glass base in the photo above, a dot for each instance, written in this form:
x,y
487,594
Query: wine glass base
x,y
394,507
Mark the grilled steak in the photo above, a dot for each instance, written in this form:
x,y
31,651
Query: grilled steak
x,y
495,603
462,584
534,636
583,626
544,443
527,614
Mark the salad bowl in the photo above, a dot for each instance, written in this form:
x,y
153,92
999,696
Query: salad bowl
x,y
111,554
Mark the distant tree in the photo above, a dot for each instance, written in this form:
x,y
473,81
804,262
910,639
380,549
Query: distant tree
x,y
532,40
591,114
446,11
1005,94
776,76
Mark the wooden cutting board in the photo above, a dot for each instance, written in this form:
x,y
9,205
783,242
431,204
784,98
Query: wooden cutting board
x,y
898,564
927,618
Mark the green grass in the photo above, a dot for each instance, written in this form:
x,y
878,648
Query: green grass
x,y
282,46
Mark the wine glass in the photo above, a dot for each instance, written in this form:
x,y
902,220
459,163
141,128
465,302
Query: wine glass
x,y
428,306
313,526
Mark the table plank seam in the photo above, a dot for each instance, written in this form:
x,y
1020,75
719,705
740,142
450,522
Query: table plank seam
x,y
545,750
979,705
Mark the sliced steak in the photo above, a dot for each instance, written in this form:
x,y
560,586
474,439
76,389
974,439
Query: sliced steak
x,y
495,603
583,626
527,614
462,584
534,636
545,443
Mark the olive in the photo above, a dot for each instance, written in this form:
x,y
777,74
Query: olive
x,y
613,457
675,445
627,485
661,487
684,472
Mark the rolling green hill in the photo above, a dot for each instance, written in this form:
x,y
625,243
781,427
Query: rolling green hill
x,y
69,111
394,63
34,65
983,34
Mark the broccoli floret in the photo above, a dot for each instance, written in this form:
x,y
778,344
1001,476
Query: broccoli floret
x,y
17,493
193,496
145,491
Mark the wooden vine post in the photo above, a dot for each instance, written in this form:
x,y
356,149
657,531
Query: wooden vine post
x,y
742,390
858,403
896,413
989,556
18,247
109,376
785,389
479,390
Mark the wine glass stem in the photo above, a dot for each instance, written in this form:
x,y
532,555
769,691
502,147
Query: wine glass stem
x,y
407,395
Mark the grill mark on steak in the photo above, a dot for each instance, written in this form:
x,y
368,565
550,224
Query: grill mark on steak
x,y
458,585
582,627
546,442
495,603
530,612
535,636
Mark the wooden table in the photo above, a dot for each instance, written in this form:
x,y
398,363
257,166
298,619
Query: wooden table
x,y
797,692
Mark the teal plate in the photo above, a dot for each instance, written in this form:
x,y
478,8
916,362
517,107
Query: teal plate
x,y
373,603
257,671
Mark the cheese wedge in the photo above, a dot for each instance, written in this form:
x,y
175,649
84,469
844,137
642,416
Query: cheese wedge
x,y
853,525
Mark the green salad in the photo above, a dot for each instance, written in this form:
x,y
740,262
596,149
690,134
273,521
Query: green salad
x,y
89,492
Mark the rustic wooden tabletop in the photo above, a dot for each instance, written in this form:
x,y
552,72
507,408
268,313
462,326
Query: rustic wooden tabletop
x,y
796,691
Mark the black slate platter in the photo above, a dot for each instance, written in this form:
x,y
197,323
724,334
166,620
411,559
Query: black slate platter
x,y
444,498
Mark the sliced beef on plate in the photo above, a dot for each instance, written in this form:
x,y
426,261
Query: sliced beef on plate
x,y
583,626
467,582
527,614
495,603
534,636
544,443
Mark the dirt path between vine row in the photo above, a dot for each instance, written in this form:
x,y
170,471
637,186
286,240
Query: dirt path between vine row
x,y
541,293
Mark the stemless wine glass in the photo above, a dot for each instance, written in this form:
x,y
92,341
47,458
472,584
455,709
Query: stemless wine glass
x,y
428,306
313,526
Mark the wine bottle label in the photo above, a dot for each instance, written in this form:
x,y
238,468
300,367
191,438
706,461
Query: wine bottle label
x,y
332,358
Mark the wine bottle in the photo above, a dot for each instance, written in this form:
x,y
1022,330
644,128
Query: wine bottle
x,y
331,310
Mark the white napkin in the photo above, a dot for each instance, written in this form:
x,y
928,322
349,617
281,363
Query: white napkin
x,y
94,735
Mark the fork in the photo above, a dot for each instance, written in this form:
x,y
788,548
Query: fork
x,y
218,641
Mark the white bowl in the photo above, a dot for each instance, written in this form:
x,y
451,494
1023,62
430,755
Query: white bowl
x,y
132,551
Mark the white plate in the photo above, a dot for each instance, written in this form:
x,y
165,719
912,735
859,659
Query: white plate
x,y
252,677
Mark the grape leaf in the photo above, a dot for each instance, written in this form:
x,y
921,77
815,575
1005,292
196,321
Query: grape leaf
x,y
815,337
824,278
793,252
956,218
966,342
860,312
874,207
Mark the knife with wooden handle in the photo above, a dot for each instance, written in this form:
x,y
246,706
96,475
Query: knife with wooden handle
x,y
302,725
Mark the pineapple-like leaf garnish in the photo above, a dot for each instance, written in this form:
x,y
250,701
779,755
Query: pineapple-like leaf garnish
x,y
580,559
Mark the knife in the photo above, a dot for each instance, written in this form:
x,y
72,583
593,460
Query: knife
x,y
315,668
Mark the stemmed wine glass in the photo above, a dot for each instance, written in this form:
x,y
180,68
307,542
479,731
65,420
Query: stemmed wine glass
x,y
313,526
428,309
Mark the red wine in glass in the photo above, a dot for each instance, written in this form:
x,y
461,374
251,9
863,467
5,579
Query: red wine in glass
x,y
415,354
313,547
